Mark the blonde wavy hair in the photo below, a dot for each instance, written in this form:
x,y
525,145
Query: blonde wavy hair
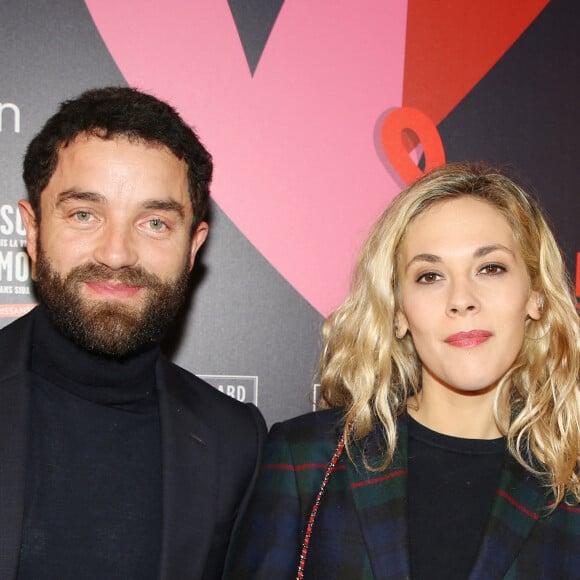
x,y
370,373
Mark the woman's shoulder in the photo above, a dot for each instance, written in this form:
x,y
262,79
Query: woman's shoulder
x,y
323,426
304,445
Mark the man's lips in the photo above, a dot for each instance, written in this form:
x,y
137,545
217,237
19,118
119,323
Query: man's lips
x,y
469,338
113,289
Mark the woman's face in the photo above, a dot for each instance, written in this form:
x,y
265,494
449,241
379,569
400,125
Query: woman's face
x,y
465,294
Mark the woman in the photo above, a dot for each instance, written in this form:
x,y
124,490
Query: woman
x,y
451,445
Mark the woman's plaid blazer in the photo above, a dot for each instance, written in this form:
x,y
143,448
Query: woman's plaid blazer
x,y
361,528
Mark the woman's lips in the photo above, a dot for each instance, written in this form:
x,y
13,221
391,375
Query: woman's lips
x,y
469,338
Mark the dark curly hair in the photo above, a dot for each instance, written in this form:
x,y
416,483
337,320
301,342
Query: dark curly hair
x,y
112,112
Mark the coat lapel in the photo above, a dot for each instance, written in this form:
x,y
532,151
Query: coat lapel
x,y
189,472
14,399
519,503
380,499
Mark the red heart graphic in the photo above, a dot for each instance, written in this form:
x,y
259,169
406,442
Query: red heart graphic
x,y
452,45
449,48
297,147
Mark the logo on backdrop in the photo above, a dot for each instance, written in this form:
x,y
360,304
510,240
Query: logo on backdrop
x,y
244,388
9,118
14,264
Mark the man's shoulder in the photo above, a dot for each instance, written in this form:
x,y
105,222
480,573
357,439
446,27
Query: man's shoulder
x,y
215,404
17,327
14,345
202,388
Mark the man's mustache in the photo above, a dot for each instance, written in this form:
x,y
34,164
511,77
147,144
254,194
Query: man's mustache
x,y
130,275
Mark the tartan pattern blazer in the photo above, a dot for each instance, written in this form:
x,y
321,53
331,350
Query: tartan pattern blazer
x,y
361,528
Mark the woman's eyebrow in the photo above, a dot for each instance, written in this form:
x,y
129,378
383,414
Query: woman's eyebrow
x,y
478,253
485,250
430,258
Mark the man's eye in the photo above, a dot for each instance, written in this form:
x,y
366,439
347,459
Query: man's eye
x,y
156,224
82,216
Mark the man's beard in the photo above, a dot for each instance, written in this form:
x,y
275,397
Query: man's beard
x,y
107,327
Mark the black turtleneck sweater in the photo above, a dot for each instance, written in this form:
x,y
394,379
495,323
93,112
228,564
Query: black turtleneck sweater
x,y
451,487
93,478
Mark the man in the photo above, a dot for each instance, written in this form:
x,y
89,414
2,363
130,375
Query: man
x,y
115,463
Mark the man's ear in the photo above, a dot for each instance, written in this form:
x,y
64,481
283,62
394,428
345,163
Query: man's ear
x,y
31,226
197,240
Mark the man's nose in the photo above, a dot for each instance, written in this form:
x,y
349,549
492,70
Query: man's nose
x,y
116,246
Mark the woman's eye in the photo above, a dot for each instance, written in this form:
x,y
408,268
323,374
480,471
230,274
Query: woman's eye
x,y
492,269
428,278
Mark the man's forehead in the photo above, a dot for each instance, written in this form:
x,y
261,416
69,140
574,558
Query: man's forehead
x,y
102,135
88,159
107,146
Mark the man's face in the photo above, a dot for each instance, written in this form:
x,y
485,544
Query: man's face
x,y
113,249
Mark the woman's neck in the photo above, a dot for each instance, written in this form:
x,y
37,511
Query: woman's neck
x,y
459,414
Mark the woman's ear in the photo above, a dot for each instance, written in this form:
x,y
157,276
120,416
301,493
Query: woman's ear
x,y
535,305
401,325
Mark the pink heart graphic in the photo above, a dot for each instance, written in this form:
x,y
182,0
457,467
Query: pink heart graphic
x,y
295,146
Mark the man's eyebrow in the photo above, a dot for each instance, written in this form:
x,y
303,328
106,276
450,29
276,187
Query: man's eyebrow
x,y
169,205
75,195
165,205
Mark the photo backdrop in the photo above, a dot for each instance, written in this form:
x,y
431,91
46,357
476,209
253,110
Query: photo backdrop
x,y
317,115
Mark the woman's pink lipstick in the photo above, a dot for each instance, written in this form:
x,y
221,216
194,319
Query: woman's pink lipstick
x,y
469,338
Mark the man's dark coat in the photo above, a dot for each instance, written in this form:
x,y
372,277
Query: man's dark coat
x,y
210,457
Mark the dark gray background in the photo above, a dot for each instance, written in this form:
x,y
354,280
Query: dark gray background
x,y
244,319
